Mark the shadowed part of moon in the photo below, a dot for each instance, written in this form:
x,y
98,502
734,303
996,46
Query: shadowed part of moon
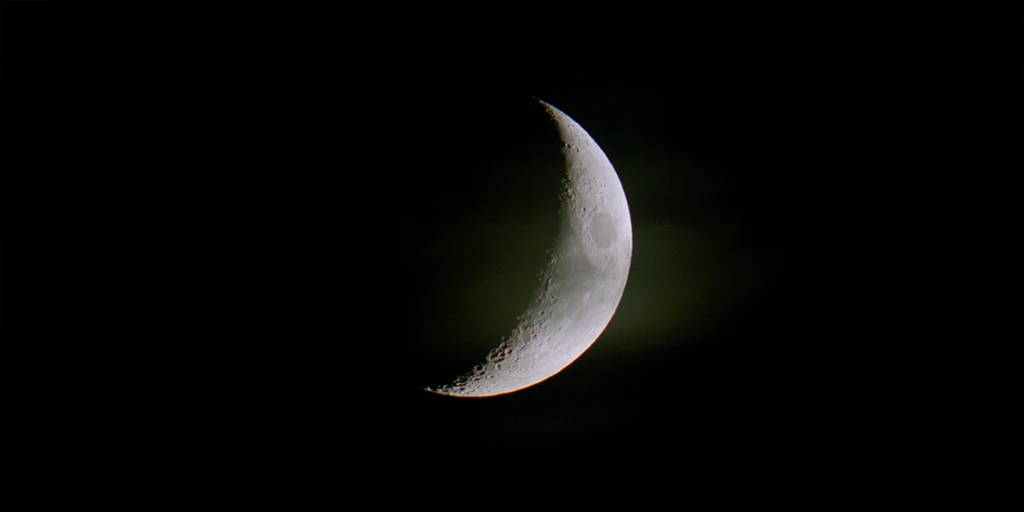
x,y
582,283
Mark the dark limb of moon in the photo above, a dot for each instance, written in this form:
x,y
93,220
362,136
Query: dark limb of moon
x,y
581,284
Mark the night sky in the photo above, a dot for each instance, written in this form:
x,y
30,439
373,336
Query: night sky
x,y
242,237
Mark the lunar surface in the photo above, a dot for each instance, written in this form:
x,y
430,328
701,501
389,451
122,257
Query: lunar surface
x,y
581,284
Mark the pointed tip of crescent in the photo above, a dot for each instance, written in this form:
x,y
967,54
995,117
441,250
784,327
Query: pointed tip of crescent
x,y
546,105
443,391
555,113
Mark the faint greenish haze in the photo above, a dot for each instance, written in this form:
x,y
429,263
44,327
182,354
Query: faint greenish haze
x,y
689,258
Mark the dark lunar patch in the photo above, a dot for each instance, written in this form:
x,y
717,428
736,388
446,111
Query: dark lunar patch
x,y
603,230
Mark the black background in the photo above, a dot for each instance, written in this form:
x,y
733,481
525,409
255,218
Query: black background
x,y
230,243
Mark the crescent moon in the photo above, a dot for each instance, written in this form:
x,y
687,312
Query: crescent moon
x,y
582,283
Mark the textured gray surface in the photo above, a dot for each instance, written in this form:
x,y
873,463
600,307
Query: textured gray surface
x,y
582,283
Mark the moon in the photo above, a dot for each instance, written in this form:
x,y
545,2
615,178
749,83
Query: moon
x,y
582,283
